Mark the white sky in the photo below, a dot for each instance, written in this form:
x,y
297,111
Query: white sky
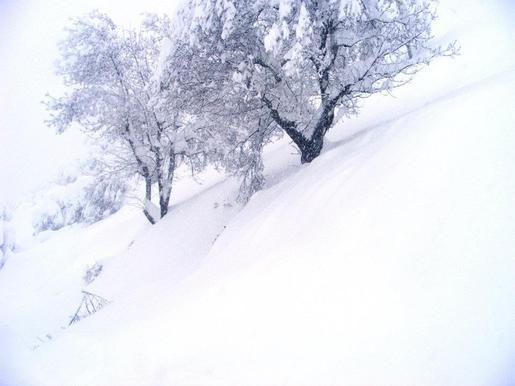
x,y
30,152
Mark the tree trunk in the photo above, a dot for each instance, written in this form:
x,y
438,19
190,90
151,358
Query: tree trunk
x,y
164,201
148,198
144,171
311,149
165,180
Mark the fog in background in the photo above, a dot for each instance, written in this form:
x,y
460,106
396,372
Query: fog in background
x,y
30,152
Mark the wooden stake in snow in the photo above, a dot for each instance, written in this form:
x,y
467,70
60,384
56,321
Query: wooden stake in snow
x,y
90,304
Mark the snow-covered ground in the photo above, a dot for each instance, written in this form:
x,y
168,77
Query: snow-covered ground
x,y
388,260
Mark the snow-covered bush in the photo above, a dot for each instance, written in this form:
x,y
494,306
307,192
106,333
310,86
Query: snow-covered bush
x,y
84,199
7,235
92,273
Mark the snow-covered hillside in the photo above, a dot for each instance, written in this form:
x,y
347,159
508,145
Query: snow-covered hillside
x,y
390,259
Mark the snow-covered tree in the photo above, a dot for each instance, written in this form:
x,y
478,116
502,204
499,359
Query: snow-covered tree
x,y
115,96
309,61
228,129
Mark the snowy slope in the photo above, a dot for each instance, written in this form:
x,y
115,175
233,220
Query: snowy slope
x,y
388,260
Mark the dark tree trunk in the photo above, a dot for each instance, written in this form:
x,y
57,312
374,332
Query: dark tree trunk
x,y
163,204
164,201
148,198
311,149
165,179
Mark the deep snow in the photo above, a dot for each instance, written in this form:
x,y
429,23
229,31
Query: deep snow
x,y
388,260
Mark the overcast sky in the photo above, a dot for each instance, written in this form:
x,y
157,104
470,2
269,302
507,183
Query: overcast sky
x,y
30,152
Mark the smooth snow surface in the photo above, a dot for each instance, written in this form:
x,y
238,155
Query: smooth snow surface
x,y
389,260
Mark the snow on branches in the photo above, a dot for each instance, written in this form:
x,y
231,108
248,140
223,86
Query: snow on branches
x,y
115,95
226,77
307,62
